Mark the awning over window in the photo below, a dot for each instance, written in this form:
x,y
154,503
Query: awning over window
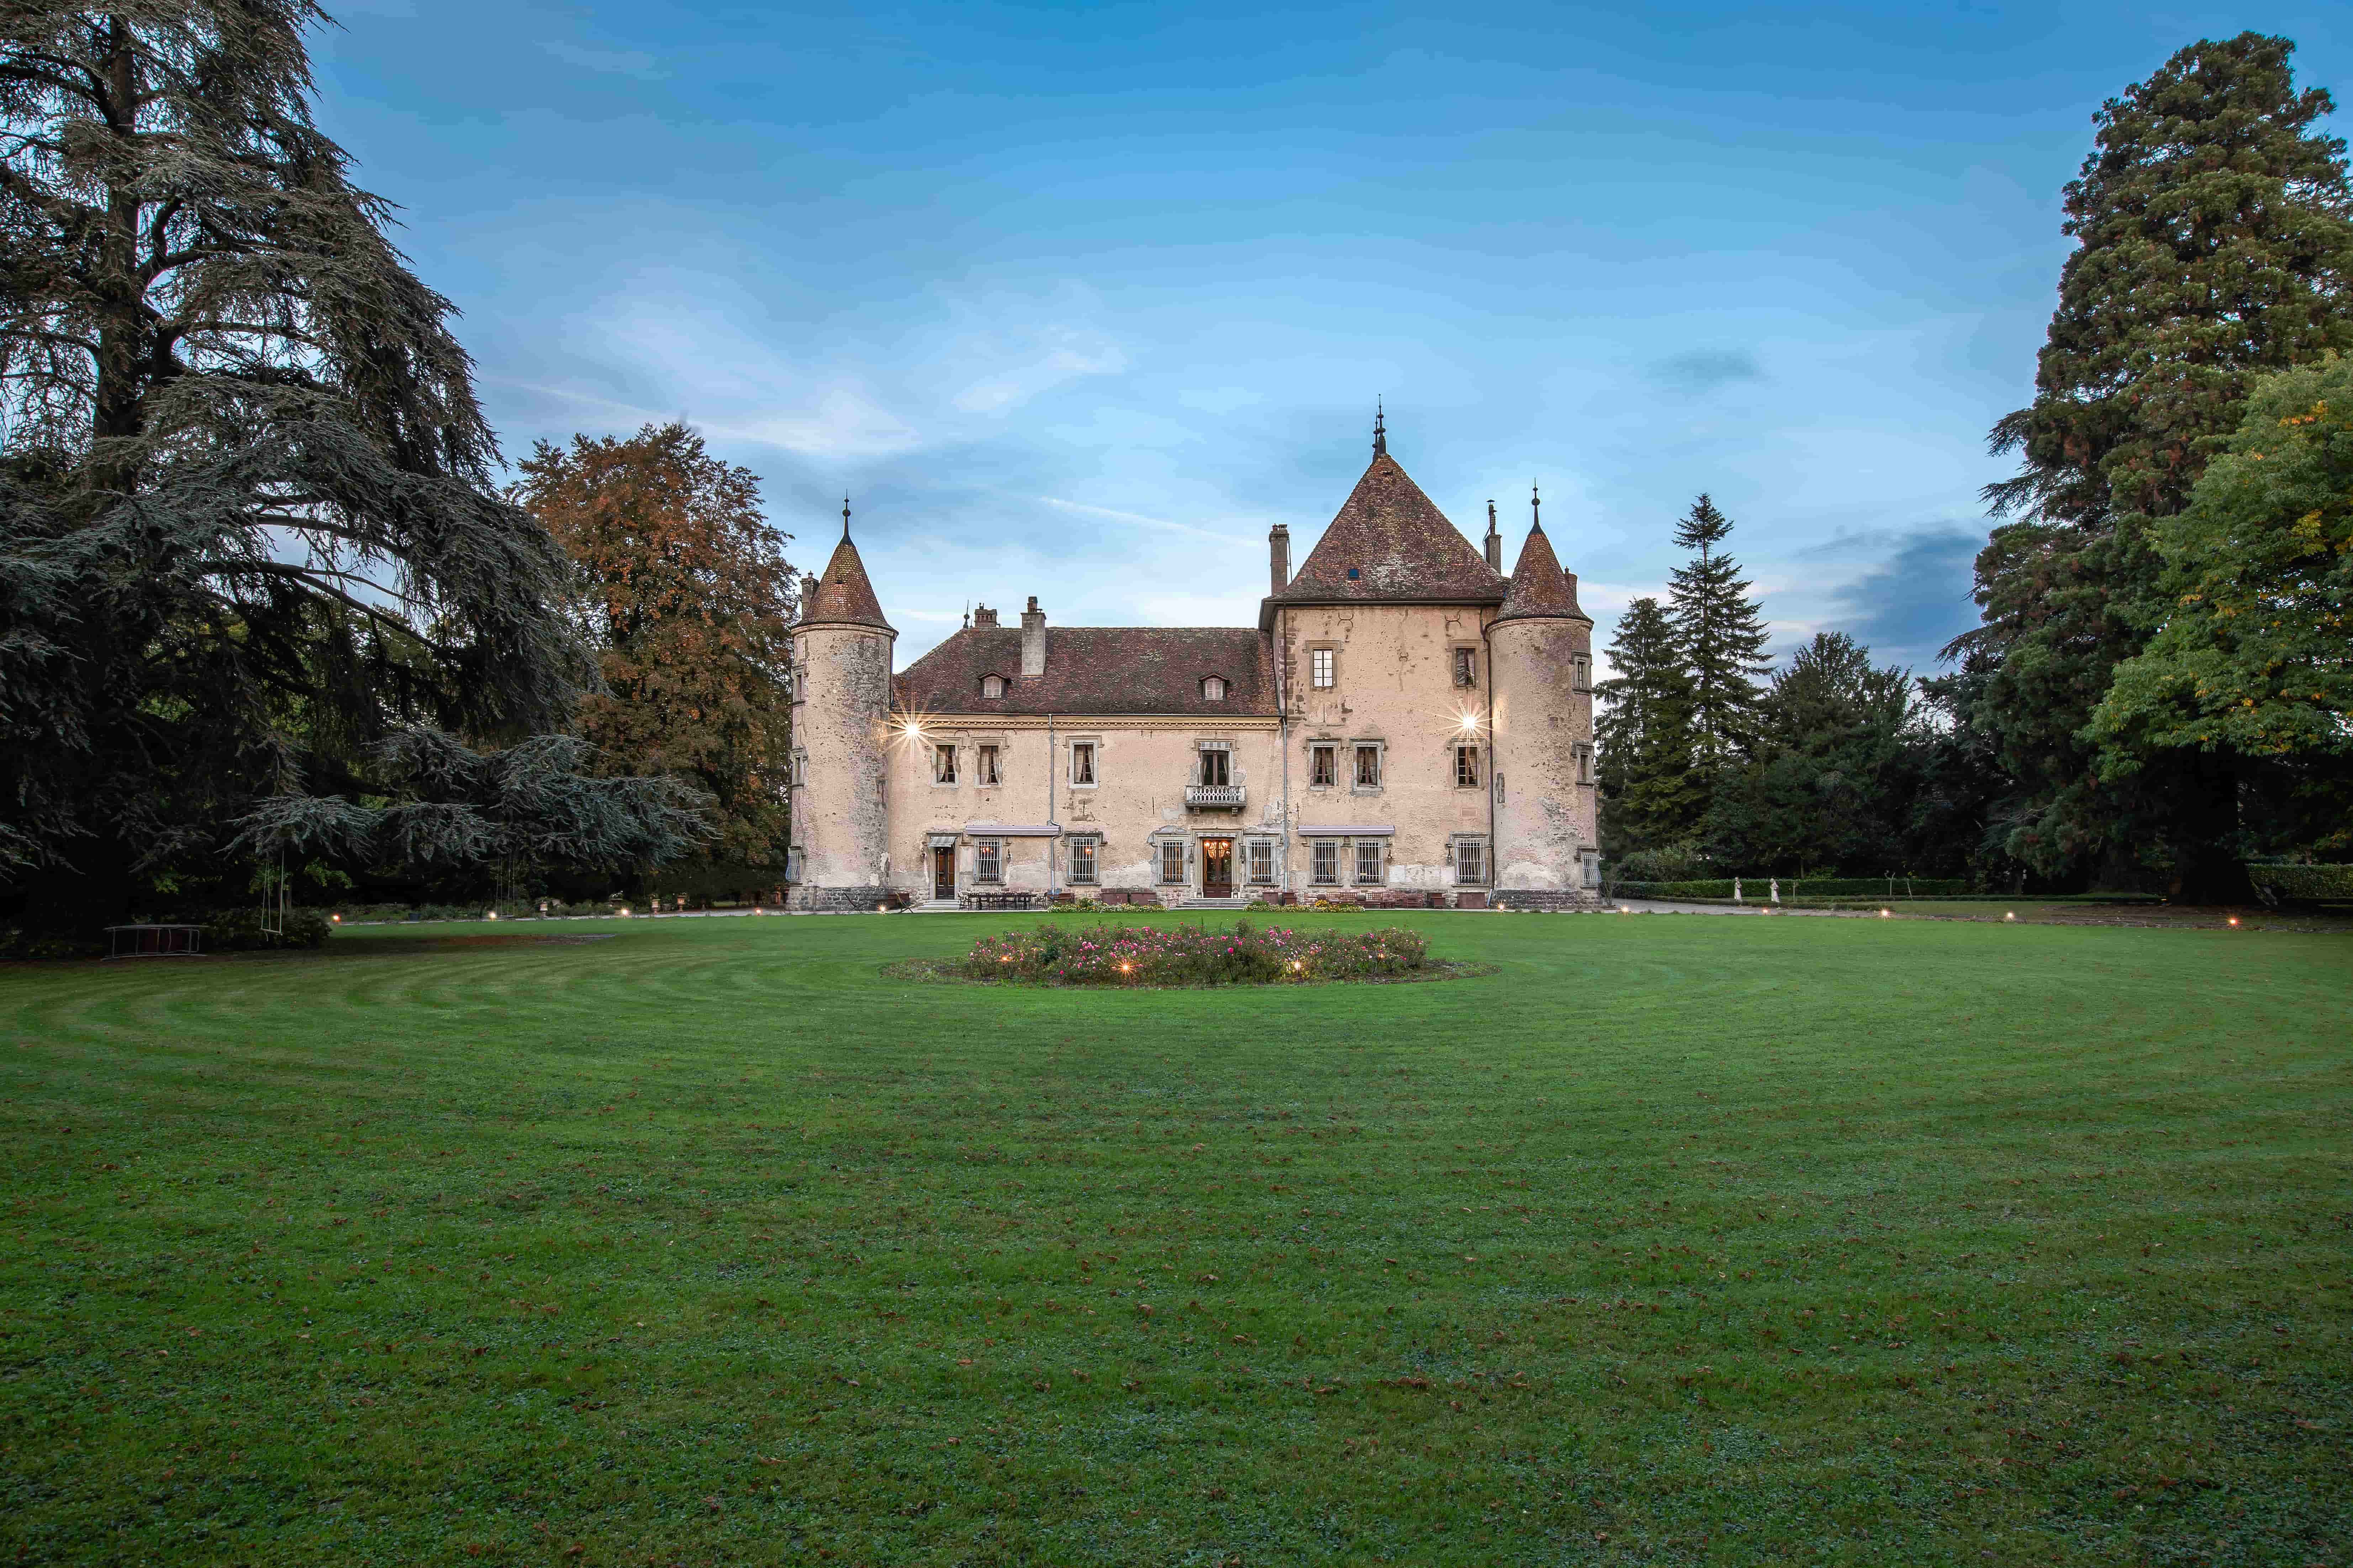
x,y
1378,830
942,840
1012,830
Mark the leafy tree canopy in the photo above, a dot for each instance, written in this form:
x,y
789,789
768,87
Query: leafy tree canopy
x,y
683,590
2255,656
247,522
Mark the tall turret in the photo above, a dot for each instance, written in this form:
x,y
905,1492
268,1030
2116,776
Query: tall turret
x,y
841,712
1540,651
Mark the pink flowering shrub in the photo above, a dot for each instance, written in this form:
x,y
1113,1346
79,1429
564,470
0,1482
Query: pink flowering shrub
x,y
1242,954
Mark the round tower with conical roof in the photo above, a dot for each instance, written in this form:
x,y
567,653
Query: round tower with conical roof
x,y
841,714
1540,651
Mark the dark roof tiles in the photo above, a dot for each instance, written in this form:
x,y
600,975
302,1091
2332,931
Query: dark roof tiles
x,y
1094,669
1539,587
1401,546
844,596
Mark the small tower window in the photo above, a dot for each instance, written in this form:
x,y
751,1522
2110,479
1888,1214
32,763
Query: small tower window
x,y
992,686
1580,673
1466,667
1213,689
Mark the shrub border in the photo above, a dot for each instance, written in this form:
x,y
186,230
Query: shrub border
x,y
950,971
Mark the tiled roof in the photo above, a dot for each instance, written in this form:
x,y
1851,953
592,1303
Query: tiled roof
x,y
1401,546
1539,587
843,593
1094,669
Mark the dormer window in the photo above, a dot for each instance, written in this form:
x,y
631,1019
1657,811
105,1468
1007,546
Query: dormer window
x,y
992,686
1213,689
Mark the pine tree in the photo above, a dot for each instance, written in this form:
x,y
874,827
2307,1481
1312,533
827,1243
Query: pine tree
x,y
1650,793
247,527
1721,634
687,597
2215,241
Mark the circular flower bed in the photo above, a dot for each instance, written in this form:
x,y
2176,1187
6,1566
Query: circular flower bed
x,y
1241,954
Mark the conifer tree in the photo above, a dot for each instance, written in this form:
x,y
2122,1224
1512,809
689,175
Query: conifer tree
x,y
1721,635
2215,242
1650,793
247,527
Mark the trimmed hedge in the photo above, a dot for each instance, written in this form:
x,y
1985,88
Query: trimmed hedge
x,y
1793,886
2304,884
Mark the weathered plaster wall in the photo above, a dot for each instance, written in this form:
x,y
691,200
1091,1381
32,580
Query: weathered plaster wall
x,y
1394,685
841,701
1545,806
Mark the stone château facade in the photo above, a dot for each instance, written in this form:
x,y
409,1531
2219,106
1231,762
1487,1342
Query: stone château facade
x,y
1404,721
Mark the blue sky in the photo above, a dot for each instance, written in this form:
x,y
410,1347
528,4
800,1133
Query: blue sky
x,y
1078,299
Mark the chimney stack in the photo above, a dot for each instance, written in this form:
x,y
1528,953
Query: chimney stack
x,y
1494,542
1033,640
984,620
1278,548
809,593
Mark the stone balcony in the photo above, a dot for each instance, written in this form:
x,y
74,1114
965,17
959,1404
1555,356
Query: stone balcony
x,y
1214,797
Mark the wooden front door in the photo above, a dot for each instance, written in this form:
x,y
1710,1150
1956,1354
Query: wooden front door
x,y
944,873
1216,867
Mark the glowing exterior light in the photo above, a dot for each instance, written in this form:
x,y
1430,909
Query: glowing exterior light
x,y
1884,913
494,914
2234,920
337,918
625,910
2008,916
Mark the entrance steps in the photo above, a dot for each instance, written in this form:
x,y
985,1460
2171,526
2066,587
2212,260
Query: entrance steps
x,y
1197,903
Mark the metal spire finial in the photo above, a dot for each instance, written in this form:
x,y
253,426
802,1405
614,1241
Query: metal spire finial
x,y
1380,431
845,517
1535,506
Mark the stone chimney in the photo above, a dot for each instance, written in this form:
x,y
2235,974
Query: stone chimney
x,y
984,620
1494,542
1278,548
1033,640
809,593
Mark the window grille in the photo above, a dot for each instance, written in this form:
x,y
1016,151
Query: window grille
x,y
1369,767
944,764
992,686
1368,862
1319,665
1215,767
1213,689
1262,862
1082,862
1322,766
1466,767
1171,859
1466,667
1083,761
1324,861
1471,863
989,861
986,767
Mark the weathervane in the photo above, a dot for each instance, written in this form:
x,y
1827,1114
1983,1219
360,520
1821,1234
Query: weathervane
x,y
1380,431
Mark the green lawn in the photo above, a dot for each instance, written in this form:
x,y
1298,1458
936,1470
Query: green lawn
x,y
1676,1240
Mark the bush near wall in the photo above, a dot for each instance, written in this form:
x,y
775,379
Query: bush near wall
x,y
1792,887
2303,884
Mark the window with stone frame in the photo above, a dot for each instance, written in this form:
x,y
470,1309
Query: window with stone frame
x,y
1369,766
1172,860
1323,666
1466,667
984,767
1084,852
1324,862
1083,761
1322,766
1368,862
1580,673
1262,862
1584,763
800,768
1470,862
1216,765
1466,767
987,861
944,764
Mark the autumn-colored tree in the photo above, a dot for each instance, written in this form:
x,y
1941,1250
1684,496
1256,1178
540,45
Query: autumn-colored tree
x,y
684,591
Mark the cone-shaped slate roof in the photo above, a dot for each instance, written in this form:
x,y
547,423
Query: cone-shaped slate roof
x,y
843,594
1539,587
1400,547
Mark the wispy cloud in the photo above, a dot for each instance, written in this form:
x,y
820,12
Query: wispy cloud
x,y
1111,515
1704,370
615,62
